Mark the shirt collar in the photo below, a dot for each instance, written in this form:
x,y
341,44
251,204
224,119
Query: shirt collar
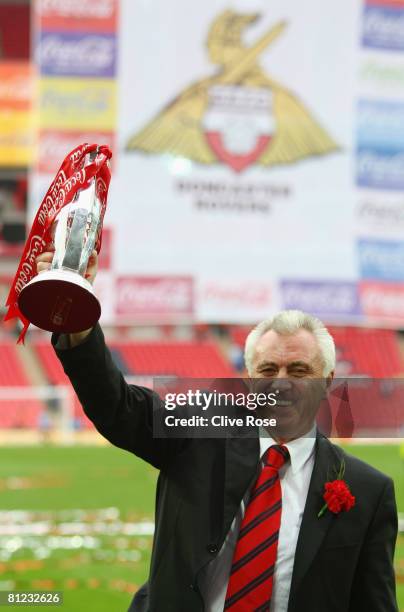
x,y
300,450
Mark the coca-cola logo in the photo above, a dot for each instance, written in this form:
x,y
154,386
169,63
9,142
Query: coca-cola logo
x,y
240,294
154,295
18,88
91,50
383,28
99,9
26,270
386,300
48,206
53,146
88,99
387,213
320,297
58,182
382,169
369,163
76,155
72,184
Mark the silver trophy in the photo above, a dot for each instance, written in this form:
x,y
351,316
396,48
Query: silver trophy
x,y
61,299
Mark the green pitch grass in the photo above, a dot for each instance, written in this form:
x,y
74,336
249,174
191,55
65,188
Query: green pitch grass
x,y
86,526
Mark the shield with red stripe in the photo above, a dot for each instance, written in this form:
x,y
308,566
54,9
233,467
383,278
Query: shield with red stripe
x,y
239,124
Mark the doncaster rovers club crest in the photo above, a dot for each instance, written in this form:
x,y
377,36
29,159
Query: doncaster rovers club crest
x,y
239,116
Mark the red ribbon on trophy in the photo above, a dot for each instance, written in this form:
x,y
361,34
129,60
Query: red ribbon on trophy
x,y
72,176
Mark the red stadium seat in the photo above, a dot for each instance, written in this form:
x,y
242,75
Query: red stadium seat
x,y
371,352
16,413
51,364
12,373
187,359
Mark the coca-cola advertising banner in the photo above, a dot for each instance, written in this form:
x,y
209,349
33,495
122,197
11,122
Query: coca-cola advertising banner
x,y
74,15
77,54
159,298
53,144
16,119
76,51
258,152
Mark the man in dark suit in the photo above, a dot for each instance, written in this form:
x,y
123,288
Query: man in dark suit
x,y
237,525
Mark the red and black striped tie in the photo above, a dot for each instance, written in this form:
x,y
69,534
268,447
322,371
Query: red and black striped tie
x,y
251,577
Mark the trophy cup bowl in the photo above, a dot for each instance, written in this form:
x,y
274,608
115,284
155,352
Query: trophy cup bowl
x,y
61,299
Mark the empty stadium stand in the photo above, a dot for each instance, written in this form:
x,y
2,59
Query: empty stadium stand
x,y
12,373
51,364
360,351
23,413
372,352
187,359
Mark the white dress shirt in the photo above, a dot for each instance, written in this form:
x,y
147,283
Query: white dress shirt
x,y
295,479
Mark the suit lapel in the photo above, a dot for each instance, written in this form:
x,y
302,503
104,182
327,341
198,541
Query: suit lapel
x,y
314,529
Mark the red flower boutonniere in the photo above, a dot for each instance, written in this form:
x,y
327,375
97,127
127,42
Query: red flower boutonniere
x,y
337,495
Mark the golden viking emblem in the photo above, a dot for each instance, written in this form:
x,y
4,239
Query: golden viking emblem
x,y
239,116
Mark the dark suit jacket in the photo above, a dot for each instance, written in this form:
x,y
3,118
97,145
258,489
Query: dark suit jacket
x,y
343,563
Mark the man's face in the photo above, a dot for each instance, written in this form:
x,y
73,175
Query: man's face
x,y
292,367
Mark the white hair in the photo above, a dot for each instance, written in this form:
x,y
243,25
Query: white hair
x,y
289,322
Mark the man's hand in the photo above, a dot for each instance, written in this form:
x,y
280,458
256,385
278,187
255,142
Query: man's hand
x,y
44,262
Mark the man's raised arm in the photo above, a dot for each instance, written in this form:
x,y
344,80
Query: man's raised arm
x,y
122,413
